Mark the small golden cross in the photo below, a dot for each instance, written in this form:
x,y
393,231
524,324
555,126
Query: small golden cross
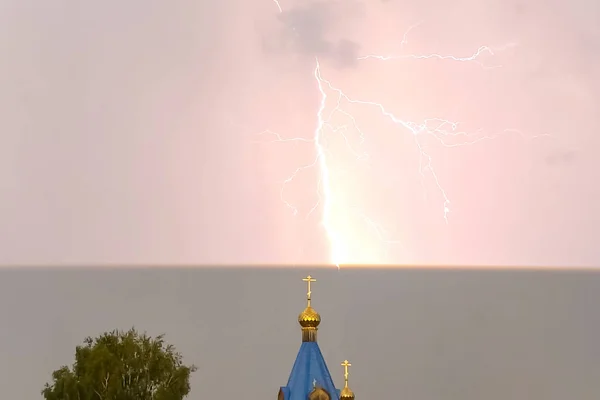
x,y
308,280
346,364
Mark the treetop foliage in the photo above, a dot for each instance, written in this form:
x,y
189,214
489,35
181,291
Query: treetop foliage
x,y
122,365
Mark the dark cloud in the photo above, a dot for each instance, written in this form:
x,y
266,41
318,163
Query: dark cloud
x,y
308,29
428,333
561,157
346,52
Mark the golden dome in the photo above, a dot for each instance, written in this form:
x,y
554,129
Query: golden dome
x,y
319,393
309,318
346,393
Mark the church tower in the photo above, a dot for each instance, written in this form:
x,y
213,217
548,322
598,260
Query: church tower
x,y
310,378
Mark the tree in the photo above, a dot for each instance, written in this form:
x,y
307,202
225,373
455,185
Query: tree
x,y
122,365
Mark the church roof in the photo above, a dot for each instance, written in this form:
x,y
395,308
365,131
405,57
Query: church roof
x,y
309,370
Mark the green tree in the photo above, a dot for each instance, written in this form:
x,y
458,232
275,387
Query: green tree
x,y
122,365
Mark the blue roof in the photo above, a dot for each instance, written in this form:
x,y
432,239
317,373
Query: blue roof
x,y
309,369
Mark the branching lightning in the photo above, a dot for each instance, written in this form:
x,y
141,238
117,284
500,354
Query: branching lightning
x,y
346,245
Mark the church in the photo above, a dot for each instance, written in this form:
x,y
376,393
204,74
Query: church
x,y
310,378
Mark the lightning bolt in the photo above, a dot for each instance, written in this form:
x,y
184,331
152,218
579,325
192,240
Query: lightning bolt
x,y
347,246
278,5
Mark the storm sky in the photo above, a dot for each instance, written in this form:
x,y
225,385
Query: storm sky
x,y
130,132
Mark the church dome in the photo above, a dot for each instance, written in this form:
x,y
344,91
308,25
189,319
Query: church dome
x,y
309,318
347,394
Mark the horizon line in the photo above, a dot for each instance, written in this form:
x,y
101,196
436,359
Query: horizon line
x,y
412,267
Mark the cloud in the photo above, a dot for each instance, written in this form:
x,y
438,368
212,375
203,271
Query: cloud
x,y
561,158
307,29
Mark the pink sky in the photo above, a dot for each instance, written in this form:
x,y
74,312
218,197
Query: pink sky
x,y
130,133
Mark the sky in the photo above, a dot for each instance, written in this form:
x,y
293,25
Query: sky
x,y
418,334
146,133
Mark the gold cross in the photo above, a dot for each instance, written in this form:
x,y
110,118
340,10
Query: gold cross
x,y
346,364
308,280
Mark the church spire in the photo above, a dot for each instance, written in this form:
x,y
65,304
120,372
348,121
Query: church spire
x,y
346,393
309,319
